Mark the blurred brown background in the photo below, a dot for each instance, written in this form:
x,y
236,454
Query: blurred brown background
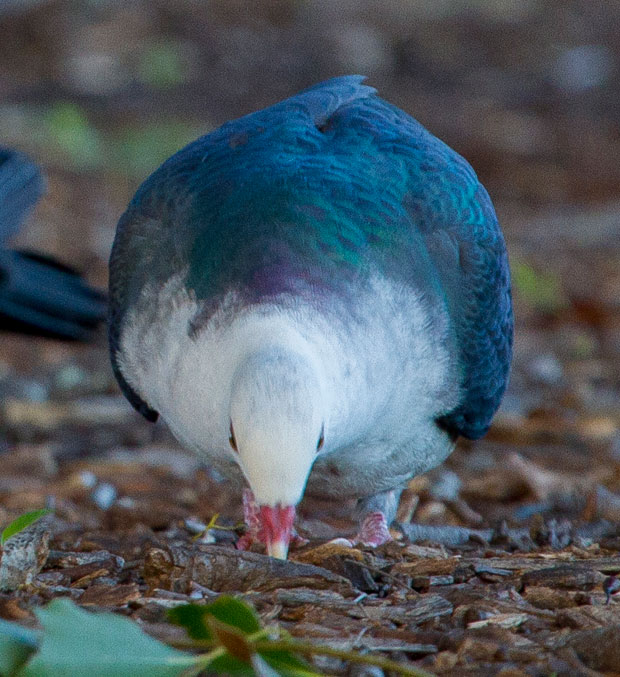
x,y
101,91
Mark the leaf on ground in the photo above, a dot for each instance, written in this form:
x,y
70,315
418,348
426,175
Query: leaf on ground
x,y
77,642
226,609
16,646
21,523
229,621
192,618
234,612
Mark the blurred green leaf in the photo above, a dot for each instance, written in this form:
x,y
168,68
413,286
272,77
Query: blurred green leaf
x,y
161,65
77,642
226,609
16,646
21,523
140,150
67,124
286,663
233,611
233,639
229,612
192,618
233,624
541,290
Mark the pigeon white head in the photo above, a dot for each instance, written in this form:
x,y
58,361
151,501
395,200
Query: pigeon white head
x,y
276,430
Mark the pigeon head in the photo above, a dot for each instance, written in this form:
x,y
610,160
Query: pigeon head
x,y
276,430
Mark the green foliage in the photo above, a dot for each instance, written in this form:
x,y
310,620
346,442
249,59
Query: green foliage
x,y
16,646
21,523
233,625
161,65
140,150
67,135
77,642
70,130
229,610
540,290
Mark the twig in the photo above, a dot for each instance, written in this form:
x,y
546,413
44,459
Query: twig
x,y
258,643
375,570
310,649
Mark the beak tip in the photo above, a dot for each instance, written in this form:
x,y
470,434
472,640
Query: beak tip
x,y
276,528
278,549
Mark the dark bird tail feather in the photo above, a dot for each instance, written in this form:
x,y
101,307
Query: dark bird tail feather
x,y
38,295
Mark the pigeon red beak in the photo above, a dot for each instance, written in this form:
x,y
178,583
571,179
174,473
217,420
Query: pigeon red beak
x,y
276,528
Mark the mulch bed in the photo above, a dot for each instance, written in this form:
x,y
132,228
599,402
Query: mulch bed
x,y
523,583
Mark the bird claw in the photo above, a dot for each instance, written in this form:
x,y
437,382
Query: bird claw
x,y
298,541
245,542
248,539
251,519
373,531
250,511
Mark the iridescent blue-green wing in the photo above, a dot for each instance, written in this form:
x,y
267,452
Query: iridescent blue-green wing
x,y
445,203
466,245
473,265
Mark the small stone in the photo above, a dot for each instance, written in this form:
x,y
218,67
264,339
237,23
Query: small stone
x,y
104,495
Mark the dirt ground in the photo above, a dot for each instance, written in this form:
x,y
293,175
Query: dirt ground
x,y
524,582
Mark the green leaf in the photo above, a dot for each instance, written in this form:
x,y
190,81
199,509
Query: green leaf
x,y
77,642
16,646
226,609
74,136
21,523
233,611
541,290
229,623
192,618
229,665
233,639
286,663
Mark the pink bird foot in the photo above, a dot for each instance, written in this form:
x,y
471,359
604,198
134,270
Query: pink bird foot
x,y
252,521
246,541
373,531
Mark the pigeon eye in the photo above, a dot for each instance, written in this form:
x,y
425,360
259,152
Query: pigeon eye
x,y
231,438
319,444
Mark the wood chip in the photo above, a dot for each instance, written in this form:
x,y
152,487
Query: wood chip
x,y
110,595
59,558
24,555
599,649
427,567
86,580
500,620
564,576
224,569
300,596
319,554
425,608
